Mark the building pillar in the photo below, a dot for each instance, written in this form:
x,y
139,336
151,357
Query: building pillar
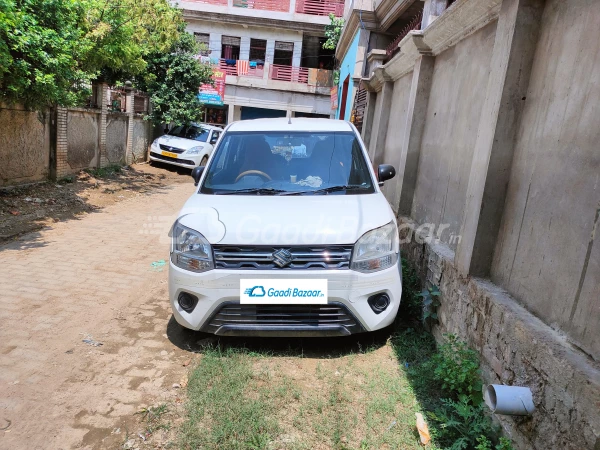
x,y
297,54
416,115
432,9
62,147
515,43
270,51
234,113
292,6
130,118
104,93
214,45
380,123
245,48
369,115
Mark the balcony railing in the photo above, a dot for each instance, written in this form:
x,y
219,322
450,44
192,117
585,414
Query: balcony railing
x,y
320,7
268,5
288,73
414,24
210,2
232,69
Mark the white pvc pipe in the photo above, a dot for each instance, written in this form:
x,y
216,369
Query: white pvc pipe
x,y
509,400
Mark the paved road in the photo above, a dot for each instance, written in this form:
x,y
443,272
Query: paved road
x,y
88,278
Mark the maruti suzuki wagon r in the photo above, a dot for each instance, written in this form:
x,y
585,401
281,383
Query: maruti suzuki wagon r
x,y
287,234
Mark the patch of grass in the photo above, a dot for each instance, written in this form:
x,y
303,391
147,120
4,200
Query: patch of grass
x,y
105,172
228,406
153,418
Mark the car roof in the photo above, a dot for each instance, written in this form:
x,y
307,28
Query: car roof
x,y
205,125
293,124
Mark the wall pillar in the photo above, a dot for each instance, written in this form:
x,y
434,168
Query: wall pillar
x,y
62,165
512,58
104,95
368,119
130,116
297,54
432,9
245,48
270,51
234,113
214,45
380,121
416,116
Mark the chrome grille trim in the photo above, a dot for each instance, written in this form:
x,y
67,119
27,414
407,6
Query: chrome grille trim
x,y
168,148
234,318
261,257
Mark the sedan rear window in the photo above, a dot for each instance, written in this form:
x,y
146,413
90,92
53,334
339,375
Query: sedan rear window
x,y
191,132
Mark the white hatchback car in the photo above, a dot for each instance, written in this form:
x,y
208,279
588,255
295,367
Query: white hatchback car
x,y
186,146
287,235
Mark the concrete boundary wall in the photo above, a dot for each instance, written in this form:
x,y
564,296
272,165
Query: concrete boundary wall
x,y
498,160
58,142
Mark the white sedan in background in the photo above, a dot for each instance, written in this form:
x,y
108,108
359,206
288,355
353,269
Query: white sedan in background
x,y
186,146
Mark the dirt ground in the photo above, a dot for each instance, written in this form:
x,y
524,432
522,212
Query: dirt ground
x,y
90,356
24,209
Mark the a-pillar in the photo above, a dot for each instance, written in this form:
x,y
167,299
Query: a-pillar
x,y
62,165
416,115
103,93
515,42
130,122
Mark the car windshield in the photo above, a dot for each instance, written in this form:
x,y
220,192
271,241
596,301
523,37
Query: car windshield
x,y
284,163
191,132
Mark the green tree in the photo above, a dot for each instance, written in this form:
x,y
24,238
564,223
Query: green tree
x,y
41,45
172,79
333,31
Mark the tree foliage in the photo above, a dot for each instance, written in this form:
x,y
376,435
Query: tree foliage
x,y
52,50
42,44
333,31
172,79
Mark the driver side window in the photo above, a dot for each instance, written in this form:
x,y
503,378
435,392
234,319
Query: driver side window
x,y
215,137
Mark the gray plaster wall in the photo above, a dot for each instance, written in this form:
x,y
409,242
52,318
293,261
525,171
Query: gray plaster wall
x,y
142,138
116,138
546,254
395,136
82,139
376,119
24,146
458,90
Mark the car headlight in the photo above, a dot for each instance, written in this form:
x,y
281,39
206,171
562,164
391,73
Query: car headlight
x,y
194,150
155,141
376,250
190,250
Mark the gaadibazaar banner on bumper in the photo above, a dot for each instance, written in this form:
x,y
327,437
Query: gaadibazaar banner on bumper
x,y
213,94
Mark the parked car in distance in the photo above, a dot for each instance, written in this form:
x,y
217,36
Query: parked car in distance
x,y
186,146
288,234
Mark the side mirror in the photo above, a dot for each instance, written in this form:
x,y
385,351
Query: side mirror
x,y
197,174
385,172
213,141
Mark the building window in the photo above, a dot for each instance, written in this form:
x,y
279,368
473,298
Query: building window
x,y
230,47
283,53
258,50
203,39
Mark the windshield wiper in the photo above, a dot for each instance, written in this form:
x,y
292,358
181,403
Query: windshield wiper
x,y
327,190
257,191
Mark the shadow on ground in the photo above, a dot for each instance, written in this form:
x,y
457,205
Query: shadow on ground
x,y
27,210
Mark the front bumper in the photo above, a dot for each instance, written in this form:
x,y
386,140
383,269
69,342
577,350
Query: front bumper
x,y
182,160
218,310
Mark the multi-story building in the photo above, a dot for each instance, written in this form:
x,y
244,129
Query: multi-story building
x,y
270,54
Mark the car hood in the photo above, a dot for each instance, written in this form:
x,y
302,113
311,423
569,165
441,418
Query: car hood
x,y
177,142
285,220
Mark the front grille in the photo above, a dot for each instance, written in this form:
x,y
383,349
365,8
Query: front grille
x,y
261,257
168,158
234,318
168,148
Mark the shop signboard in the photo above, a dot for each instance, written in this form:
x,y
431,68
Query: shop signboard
x,y
213,94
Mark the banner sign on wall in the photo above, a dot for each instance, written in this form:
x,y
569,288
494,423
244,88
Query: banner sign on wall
x,y
213,94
